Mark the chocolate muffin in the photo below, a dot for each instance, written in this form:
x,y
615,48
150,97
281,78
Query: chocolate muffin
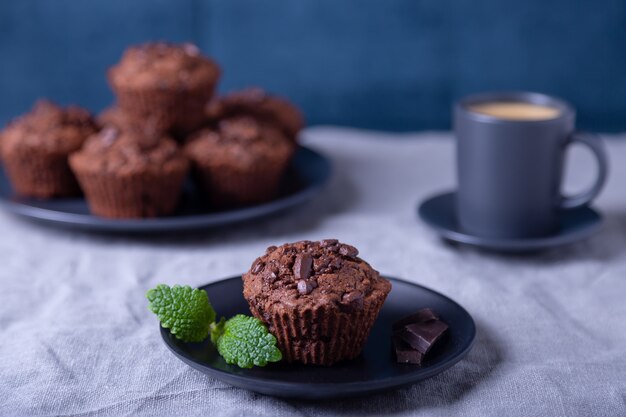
x,y
171,84
36,146
319,299
241,162
257,103
114,116
127,175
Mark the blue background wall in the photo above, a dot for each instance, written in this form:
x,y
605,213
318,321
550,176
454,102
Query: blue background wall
x,y
384,64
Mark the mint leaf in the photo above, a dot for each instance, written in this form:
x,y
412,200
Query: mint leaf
x,y
245,341
186,311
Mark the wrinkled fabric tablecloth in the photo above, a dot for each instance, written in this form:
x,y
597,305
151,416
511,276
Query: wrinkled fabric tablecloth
x,y
78,340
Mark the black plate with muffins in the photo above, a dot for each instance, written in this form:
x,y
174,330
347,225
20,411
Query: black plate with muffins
x,y
304,179
168,149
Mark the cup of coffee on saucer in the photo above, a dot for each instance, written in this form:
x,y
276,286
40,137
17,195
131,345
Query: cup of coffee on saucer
x,y
510,161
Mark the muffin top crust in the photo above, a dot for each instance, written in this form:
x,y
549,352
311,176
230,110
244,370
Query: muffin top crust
x,y
310,274
123,152
50,127
257,103
239,142
163,66
115,117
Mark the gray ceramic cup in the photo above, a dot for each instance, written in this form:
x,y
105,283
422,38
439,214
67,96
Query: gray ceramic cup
x,y
510,171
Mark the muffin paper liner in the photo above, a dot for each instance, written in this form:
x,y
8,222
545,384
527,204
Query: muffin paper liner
x,y
39,174
323,335
132,196
227,187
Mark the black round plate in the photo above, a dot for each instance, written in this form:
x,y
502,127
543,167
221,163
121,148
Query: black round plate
x,y
374,370
308,173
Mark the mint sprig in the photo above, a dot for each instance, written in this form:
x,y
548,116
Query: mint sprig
x,y
245,341
241,340
186,311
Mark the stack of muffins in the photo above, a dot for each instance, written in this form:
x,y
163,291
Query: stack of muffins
x,y
133,159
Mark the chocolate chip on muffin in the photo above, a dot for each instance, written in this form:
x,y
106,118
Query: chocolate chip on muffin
x,y
241,162
319,299
261,105
169,83
35,149
129,175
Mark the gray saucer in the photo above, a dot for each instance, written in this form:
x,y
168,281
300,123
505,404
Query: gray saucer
x,y
575,224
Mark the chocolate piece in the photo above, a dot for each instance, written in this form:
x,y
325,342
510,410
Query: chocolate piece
x,y
336,263
404,352
349,251
422,336
303,266
304,287
328,242
258,266
353,296
425,314
320,264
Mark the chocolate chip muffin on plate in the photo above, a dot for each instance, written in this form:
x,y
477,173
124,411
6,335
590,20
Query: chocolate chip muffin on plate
x,y
36,146
261,105
241,162
129,175
319,299
169,83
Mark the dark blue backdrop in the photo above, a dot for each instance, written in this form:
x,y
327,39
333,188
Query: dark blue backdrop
x,y
385,64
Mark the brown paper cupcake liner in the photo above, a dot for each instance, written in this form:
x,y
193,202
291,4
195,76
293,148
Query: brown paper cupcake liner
x,y
132,196
325,335
38,174
166,110
227,187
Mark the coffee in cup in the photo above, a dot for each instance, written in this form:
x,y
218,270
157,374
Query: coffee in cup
x,y
515,110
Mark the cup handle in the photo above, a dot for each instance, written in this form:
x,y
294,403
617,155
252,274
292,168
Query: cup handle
x,y
595,144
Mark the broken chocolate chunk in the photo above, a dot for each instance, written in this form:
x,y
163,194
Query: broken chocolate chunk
x,y
271,277
422,336
328,242
321,263
304,287
258,266
425,314
404,352
332,248
349,251
350,297
336,263
303,266
414,335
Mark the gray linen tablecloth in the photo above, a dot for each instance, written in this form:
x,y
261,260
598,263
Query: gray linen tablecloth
x,y
78,340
